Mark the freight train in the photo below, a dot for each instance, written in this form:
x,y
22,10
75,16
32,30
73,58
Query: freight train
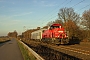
x,y
55,34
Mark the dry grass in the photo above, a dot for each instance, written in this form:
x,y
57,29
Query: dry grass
x,y
3,39
85,43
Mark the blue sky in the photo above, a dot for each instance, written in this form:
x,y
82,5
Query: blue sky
x,y
21,15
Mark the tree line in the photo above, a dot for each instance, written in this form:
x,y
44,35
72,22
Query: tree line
x,y
13,34
78,26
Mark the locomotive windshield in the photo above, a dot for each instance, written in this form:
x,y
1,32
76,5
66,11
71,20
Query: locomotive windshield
x,y
53,26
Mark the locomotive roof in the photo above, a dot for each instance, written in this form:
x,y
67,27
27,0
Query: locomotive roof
x,y
56,25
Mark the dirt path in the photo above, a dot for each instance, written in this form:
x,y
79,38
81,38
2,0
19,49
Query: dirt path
x,y
10,51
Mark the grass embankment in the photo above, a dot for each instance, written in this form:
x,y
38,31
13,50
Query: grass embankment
x,y
26,54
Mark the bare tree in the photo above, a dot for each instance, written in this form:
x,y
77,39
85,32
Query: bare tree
x,y
50,23
58,21
86,18
86,24
72,28
70,20
66,14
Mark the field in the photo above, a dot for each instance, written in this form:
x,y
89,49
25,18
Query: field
x,y
4,39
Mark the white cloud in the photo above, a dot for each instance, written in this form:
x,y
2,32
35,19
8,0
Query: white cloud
x,y
39,1
2,1
44,3
22,14
9,17
2,6
13,3
10,22
50,5
34,1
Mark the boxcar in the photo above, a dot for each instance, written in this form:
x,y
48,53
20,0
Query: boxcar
x,y
37,35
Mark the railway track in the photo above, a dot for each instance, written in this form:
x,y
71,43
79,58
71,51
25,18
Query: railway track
x,y
75,50
79,51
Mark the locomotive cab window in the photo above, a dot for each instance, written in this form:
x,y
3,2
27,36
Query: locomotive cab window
x,y
51,28
43,30
56,26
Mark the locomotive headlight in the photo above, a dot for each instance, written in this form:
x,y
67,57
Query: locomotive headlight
x,y
60,31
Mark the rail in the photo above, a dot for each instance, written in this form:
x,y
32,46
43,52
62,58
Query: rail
x,y
38,57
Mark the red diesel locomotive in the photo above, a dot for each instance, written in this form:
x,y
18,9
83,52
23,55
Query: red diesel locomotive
x,y
55,34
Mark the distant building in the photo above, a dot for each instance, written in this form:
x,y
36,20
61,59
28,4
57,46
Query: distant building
x,y
13,34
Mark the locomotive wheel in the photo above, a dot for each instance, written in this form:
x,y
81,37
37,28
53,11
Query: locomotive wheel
x,y
64,41
55,41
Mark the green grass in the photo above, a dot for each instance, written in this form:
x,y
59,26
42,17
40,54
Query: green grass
x,y
26,54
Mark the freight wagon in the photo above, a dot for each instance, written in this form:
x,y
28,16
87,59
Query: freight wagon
x,y
37,35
